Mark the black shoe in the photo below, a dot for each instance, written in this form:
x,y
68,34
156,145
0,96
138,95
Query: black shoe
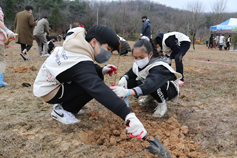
x,y
23,55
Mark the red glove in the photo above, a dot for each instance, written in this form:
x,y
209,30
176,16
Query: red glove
x,y
109,69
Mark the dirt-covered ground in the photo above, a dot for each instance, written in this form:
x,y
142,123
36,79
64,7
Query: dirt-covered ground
x,y
201,124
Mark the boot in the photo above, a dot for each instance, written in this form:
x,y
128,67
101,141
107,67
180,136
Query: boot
x,y
160,110
2,84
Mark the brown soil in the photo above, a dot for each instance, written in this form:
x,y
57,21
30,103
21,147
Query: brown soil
x,y
24,69
202,123
176,138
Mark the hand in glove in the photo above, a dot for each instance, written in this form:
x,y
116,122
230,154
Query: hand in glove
x,y
135,127
9,33
120,91
141,35
109,69
123,82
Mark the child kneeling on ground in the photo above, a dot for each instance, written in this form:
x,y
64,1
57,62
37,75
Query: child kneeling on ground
x,y
69,78
150,75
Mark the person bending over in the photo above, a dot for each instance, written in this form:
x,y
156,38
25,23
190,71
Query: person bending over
x,y
175,45
69,78
150,75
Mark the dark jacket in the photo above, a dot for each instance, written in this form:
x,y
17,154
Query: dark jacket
x,y
211,39
146,29
85,75
157,77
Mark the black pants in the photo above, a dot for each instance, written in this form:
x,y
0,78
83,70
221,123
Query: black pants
x,y
24,46
184,47
228,45
74,97
210,45
161,94
220,47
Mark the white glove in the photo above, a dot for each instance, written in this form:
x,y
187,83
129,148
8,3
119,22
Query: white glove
x,y
135,128
141,35
109,69
123,82
120,91
10,33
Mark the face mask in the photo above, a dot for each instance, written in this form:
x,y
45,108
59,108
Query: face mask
x,y
143,21
103,56
158,49
142,63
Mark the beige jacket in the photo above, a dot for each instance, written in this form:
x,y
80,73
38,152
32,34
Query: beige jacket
x,y
76,43
75,49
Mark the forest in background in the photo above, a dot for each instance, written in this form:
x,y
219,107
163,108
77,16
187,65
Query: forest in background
x,y
123,16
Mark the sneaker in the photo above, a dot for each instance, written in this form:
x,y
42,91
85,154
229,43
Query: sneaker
x,y
81,112
145,100
27,59
176,85
62,115
181,82
160,110
23,55
45,55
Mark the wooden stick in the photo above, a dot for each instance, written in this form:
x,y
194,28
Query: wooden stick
x,y
118,59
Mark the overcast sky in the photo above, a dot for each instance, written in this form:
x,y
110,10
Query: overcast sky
x,y
182,4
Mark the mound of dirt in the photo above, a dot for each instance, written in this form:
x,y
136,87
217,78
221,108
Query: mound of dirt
x,y
24,69
175,137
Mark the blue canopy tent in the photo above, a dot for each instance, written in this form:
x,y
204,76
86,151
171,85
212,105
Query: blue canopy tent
x,y
229,26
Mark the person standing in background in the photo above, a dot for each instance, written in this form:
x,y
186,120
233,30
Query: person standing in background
x,y
40,33
211,42
228,42
146,28
4,34
207,42
24,26
217,40
222,41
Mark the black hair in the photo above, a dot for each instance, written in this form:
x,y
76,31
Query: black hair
x,y
104,35
28,7
147,46
155,52
45,17
144,17
156,41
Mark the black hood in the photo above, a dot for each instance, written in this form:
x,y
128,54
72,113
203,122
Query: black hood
x,y
159,38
